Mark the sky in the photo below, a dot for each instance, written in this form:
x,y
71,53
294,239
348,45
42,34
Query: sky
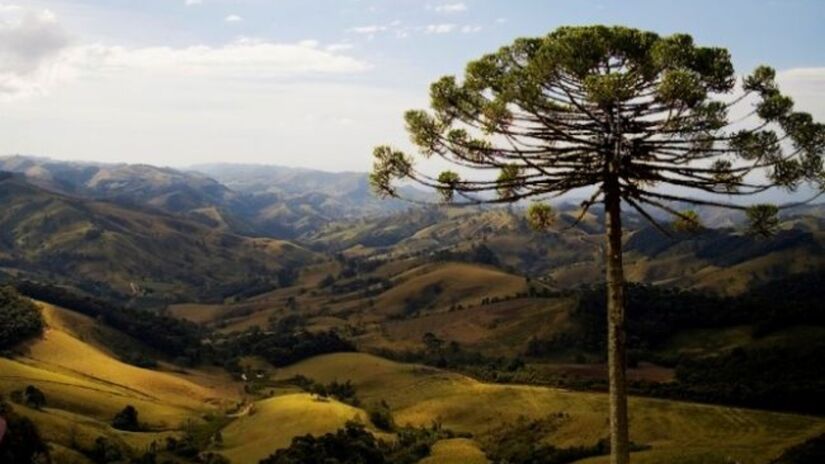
x,y
311,83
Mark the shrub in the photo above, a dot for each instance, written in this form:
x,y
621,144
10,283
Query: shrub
x,y
127,419
34,398
19,318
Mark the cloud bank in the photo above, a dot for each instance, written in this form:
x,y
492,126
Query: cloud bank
x,y
37,54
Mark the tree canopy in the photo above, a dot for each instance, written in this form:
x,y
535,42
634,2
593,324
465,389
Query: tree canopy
x,y
20,319
549,115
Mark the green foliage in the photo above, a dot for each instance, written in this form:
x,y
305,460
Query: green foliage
x,y
783,377
351,445
381,416
389,164
509,181
687,222
20,319
127,419
447,183
341,391
288,342
540,216
355,445
779,378
763,219
611,108
198,437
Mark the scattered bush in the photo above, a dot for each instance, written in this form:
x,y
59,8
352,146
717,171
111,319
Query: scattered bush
x,y
127,420
34,398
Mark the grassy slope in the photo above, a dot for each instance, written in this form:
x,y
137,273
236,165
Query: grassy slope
x,y
275,421
496,329
461,283
455,450
129,249
418,395
86,386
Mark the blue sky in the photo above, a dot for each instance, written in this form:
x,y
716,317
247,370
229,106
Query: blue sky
x,y
311,83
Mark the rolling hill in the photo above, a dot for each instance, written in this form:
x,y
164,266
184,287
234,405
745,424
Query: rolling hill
x,y
125,252
676,432
86,385
252,200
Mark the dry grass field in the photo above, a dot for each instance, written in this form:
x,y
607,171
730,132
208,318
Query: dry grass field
x,y
85,385
272,424
676,431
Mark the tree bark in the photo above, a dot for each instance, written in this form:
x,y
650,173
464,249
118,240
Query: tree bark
x,y
616,356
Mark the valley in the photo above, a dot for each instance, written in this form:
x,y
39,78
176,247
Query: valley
x,y
460,330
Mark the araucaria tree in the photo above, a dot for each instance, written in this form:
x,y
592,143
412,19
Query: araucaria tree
x,y
642,120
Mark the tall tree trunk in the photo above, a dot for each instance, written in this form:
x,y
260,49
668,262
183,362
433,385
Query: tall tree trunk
x,y
616,356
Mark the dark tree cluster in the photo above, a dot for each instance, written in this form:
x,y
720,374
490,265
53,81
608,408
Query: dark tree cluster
x,y
20,440
20,319
779,377
654,314
451,355
355,445
31,396
175,337
341,391
282,346
479,254
127,419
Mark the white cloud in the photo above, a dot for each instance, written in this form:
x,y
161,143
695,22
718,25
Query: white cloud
x,y
245,58
501,20
29,40
339,47
36,55
193,2
468,29
439,28
243,100
310,43
451,7
807,87
371,29
233,18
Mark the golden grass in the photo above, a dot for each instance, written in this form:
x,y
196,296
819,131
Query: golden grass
x,y
276,421
500,328
197,313
461,283
455,451
419,395
85,386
